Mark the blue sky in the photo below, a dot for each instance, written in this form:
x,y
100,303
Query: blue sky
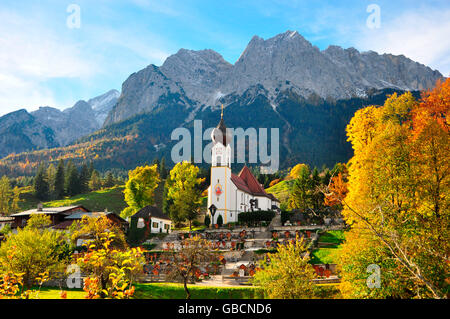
x,y
43,62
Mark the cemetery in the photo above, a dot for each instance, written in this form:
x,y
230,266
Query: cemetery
x,y
240,250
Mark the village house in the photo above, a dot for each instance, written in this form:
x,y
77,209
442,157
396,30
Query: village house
x,y
160,222
56,214
63,217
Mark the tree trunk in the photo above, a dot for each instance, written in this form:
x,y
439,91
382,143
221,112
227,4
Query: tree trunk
x,y
188,293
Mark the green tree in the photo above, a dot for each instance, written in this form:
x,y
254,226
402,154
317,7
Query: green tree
x,y
59,180
41,186
207,220
84,179
109,180
288,275
5,195
72,180
51,174
219,220
140,188
184,191
163,168
302,190
95,183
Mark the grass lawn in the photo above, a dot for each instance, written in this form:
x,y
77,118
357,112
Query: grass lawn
x,y
194,228
176,291
328,255
110,198
332,236
324,256
168,291
55,293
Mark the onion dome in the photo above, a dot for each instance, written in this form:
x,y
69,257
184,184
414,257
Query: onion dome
x,y
220,134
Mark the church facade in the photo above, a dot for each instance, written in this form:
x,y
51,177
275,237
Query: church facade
x,y
232,194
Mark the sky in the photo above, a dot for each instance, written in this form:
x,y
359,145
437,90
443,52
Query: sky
x,y
56,52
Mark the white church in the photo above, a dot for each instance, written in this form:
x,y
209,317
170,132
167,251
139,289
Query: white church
x,y
231,194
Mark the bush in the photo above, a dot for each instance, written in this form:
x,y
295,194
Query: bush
x,y
207,220
196,223
256,216
285,216
220,221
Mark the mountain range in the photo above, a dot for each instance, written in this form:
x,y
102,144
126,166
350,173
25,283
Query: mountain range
x,y
50,127
284,82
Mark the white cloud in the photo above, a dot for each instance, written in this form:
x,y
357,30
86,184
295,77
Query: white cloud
x,y
422,35
30,55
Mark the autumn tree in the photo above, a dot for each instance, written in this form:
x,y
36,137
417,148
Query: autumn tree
x,y
94,229
337,189
34,250
288,274
140,188
184,191
296,170
186,262
397,194
110,271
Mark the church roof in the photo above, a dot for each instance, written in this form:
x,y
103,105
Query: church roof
x,y
246,182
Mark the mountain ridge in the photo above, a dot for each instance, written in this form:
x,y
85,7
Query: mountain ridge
x,y
286,61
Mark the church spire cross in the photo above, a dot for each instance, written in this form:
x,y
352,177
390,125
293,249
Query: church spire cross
x,y
221,115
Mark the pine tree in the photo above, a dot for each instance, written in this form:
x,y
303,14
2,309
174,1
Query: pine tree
x,y
72,180
59,180
51,174
109,181
84,178
163,169
95,182
41,187
5,192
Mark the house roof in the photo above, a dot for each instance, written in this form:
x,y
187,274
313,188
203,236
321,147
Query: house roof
x,y
248,183
6,219
64,225
79,215
48,210
153,211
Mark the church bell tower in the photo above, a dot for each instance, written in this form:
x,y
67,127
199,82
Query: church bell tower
x,y
220,172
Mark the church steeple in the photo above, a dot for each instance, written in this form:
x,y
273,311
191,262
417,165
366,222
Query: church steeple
x,y
220,134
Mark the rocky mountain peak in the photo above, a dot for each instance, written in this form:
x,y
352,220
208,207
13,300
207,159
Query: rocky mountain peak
x,y
287,61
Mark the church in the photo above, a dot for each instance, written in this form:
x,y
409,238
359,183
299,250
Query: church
x,y
230,194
